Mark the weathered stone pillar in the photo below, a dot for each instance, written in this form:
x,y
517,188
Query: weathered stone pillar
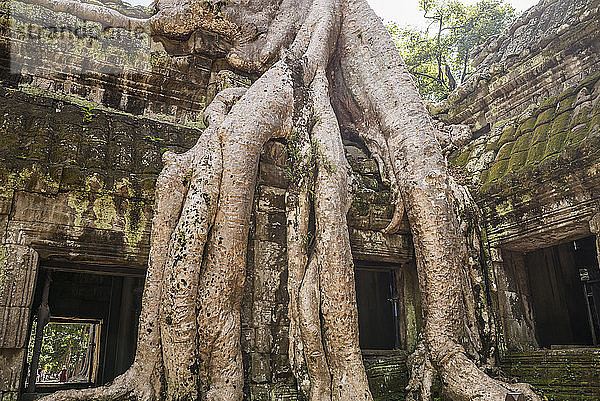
x,y
514,301
595,229
18,270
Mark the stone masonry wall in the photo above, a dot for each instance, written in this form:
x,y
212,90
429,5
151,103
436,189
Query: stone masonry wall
x,y
128,71
532,163
550,48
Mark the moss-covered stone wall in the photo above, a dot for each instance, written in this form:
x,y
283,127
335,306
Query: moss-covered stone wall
x,y
73,171
561,374
561,127
550,48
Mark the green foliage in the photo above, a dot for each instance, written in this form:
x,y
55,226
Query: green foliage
x,y
63,344
88,116
438,55
302,169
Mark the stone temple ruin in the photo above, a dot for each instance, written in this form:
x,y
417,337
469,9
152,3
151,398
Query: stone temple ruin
x,y
86,113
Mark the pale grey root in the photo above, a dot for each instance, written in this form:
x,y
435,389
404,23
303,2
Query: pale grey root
x,y
336,57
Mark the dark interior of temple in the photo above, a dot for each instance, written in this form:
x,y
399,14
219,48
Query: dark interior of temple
x,y
377,308
565,290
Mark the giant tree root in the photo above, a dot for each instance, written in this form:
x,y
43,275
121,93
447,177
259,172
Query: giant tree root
x,y
340,71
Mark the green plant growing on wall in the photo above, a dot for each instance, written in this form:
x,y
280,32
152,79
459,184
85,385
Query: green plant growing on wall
x,y
88,116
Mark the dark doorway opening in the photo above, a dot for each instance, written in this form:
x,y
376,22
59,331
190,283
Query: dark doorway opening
x,y
389,311
377,309
96,314
564,280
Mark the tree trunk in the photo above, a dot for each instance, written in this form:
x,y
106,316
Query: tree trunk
x,y
327,66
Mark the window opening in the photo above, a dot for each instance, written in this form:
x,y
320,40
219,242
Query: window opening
x,y
84,330
69,351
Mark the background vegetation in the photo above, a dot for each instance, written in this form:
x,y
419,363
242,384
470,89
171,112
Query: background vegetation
x,y
438,55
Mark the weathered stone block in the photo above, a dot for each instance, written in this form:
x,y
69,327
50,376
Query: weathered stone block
x,y
271,199
270,174
377,246
11,366
266,284
13,326
496,255
281,366
264,340
262,315
18,270
505,151
271,227
275,153
280,312
271,255
261,367
281,339
260,392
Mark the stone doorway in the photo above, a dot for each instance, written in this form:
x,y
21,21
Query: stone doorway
x,y
106,304
564,281
388,306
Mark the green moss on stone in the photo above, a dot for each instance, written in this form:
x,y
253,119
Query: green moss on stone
x,y
492,146
560,123
460,158
504,152
484,175
528,125
555,143
566,104
508,135
79,202
73,178
544,117
497,170
548,102
517,160
560,375
135,223
105,212
594,125
590,81
540,134
522,143
536,153
571,92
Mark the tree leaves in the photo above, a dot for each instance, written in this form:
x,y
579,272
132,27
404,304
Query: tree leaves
x,y
438,55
